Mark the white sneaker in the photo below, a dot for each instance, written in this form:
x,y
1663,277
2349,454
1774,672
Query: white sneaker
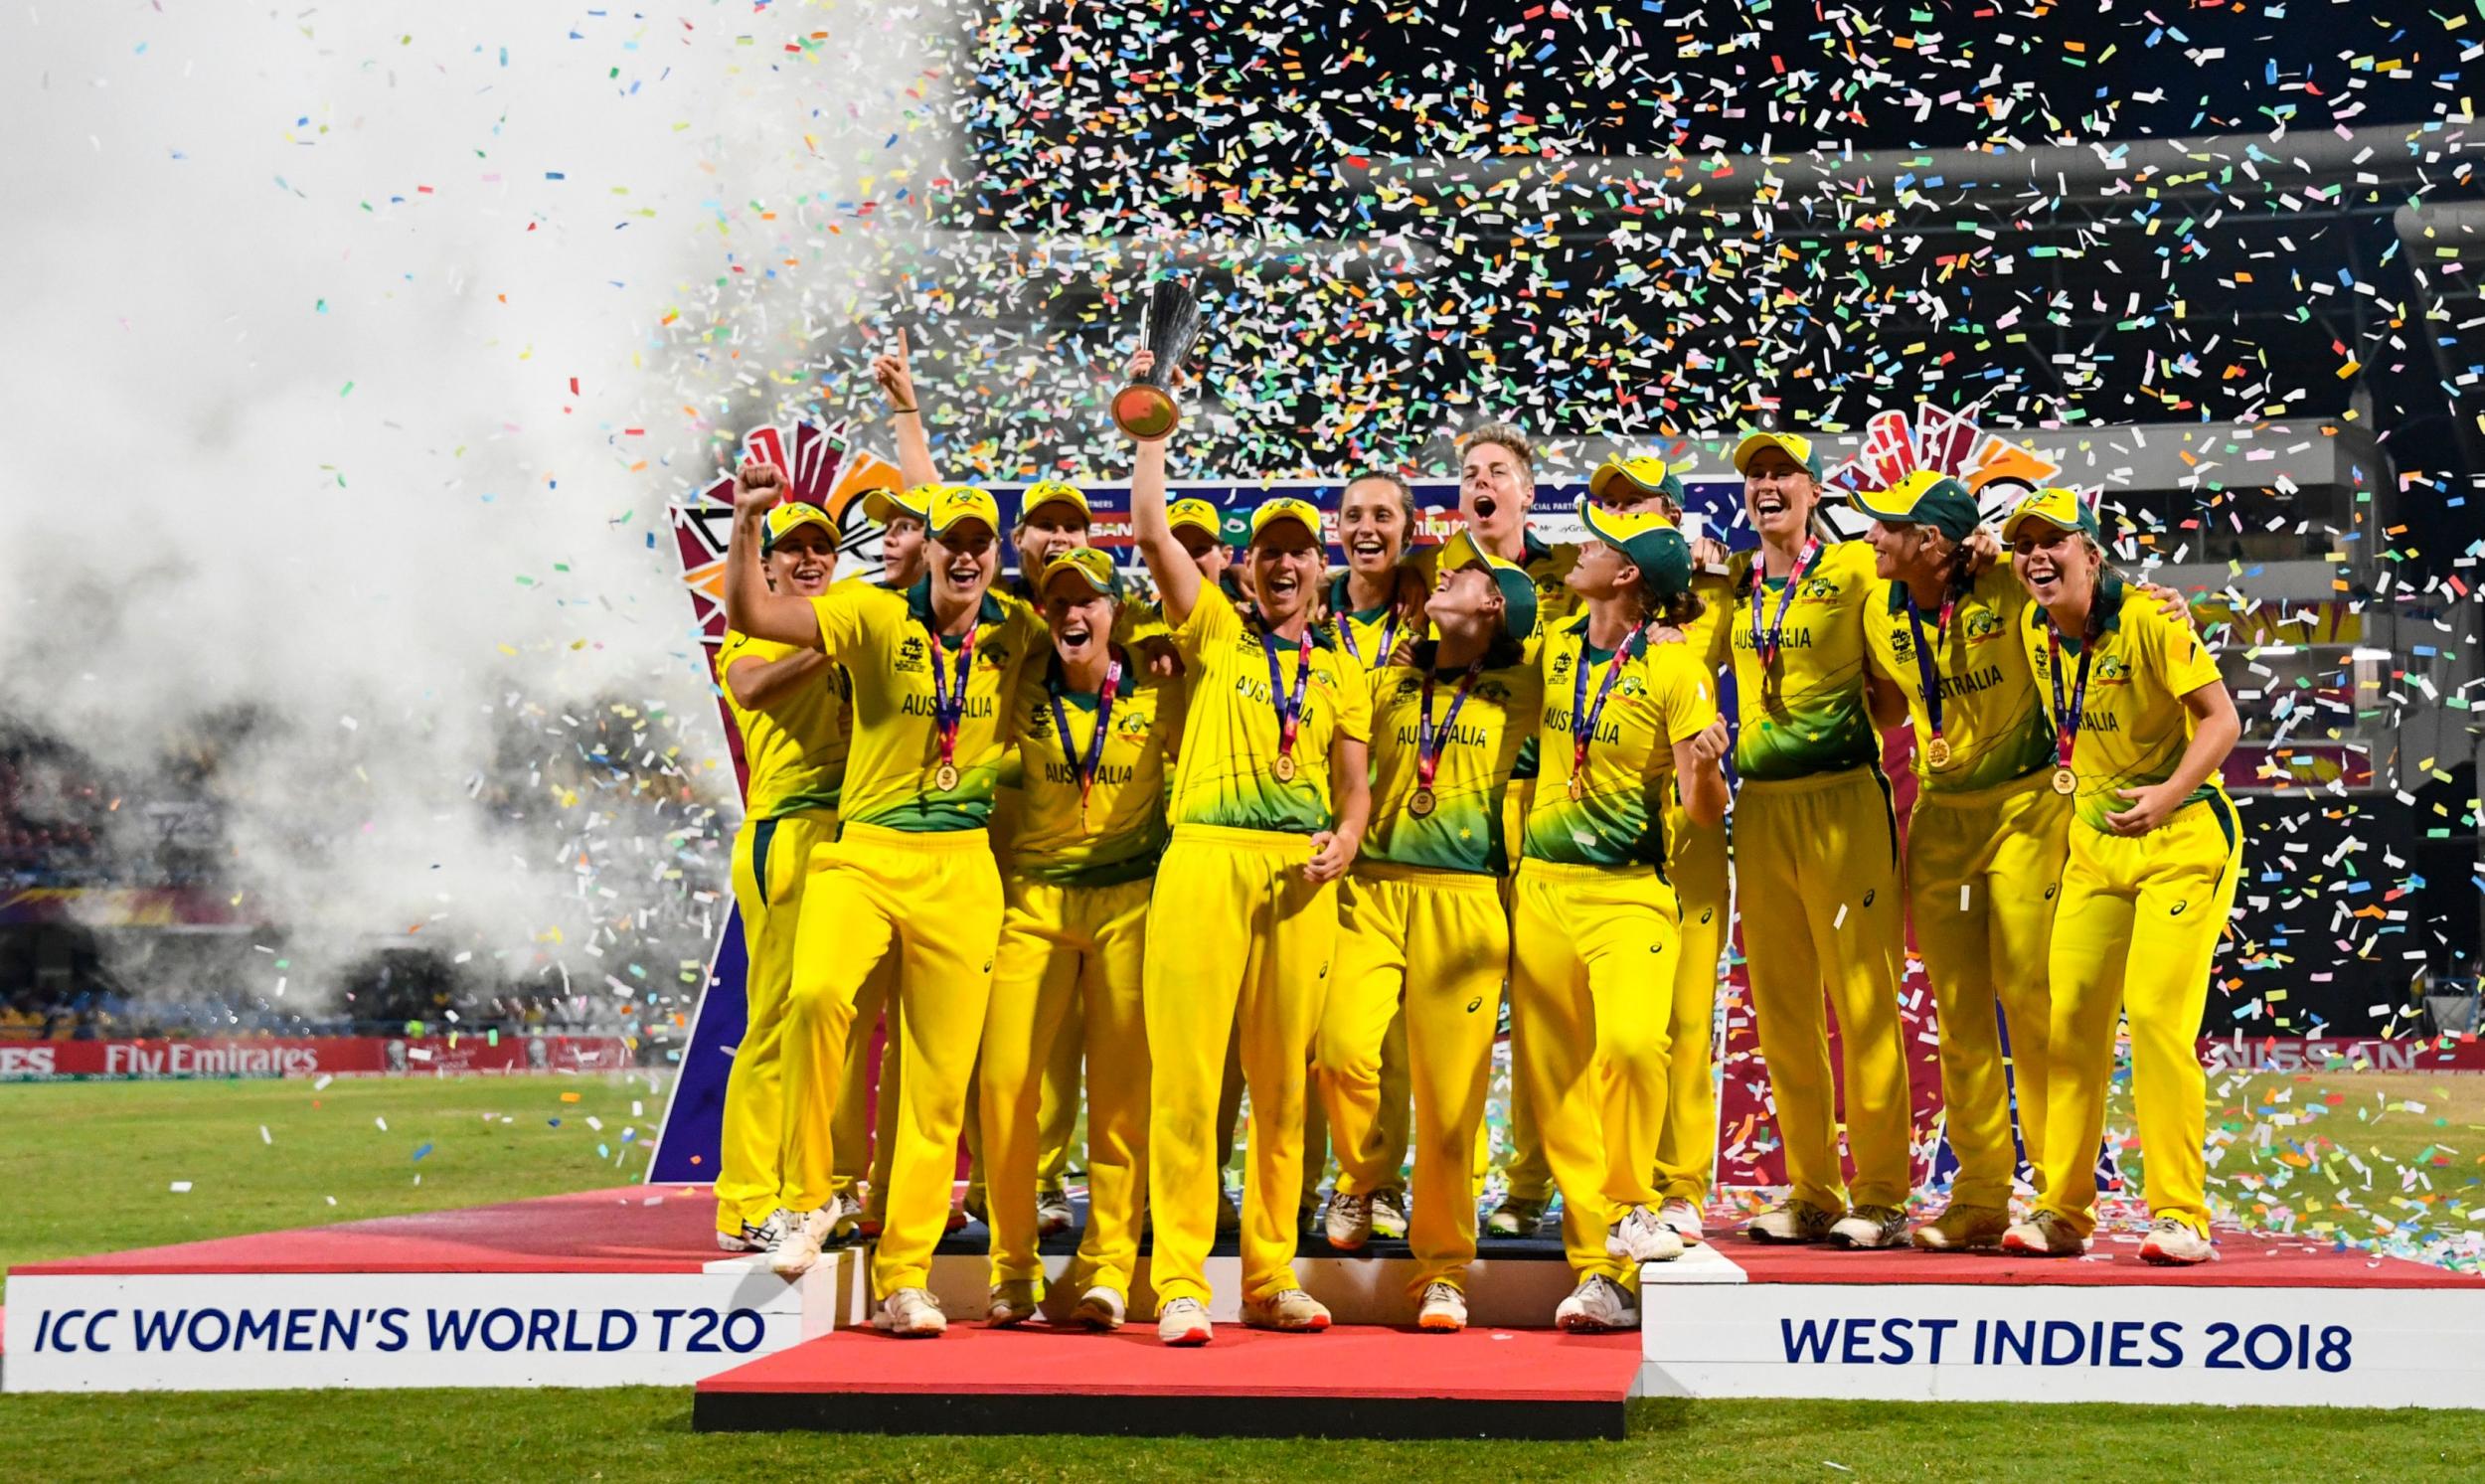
x,y
1185,1322
792,1257
1641,1238
1597,1306
760,1239
1052,1214
1791,1222
2173,1244
1866,1228
1013,1302
2044,1235
1963,1229
1389,1213
910,1314
1349,1221
846,1222
1099,1308
1684,1217
1444,1308
1293,1310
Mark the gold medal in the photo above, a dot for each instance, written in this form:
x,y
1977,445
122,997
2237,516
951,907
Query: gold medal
x,y
2066,781
1284,768
1578,787
1421,803
946,776
1937,752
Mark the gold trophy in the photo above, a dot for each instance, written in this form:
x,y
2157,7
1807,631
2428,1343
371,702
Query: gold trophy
x,y
1169,321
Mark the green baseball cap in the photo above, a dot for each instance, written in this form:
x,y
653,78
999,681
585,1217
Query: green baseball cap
x,y
1517,589
1926,497
1648,539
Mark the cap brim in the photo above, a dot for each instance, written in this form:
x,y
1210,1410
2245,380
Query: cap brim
x,y
2011,527
883,507
1760,440
1285,518
1887,514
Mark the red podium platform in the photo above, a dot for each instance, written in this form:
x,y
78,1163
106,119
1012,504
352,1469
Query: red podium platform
x,y
1351,1382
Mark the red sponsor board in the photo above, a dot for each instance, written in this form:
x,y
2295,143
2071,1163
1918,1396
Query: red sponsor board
x,y
2345,1054
325,1055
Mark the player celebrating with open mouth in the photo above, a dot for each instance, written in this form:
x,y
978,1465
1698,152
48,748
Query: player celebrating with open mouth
x,y
1696,865
1088,734
1269,799
1378,619
912,876
1816,859
1594,921
2141,725
791,707
1422,935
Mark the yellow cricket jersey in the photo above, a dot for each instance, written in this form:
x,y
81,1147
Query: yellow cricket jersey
x,y
1225,775
1122,830
1660,698
1464,830
1990,717
2133,725
1373,636
1808,714
795,750
883,639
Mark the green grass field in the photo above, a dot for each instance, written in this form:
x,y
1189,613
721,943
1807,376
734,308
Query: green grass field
x,y
92,1168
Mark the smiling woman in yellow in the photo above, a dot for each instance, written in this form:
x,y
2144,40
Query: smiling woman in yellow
x,y
1594,921
1269,800
1816,859
1089,733
1423,933
2141,723
912,874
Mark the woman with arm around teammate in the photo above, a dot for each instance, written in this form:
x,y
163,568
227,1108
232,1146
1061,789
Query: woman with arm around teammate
x,y
1269,798
1593,918
2142,724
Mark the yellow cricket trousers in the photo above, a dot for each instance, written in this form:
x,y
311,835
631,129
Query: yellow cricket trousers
x,y
2136,932
932,900
1427,950
1704,891
1526,1177
1592,987
1249,947
771,858
1057,1110
1065,946
1816,872
1982,871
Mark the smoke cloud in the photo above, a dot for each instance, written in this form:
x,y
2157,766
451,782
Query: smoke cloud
x,y
356,355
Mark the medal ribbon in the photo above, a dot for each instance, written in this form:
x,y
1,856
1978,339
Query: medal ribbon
x,y
1086,769
1584,715
1927,676
948,710
1765,644
2066,721
1389,638
1430,745
1289,708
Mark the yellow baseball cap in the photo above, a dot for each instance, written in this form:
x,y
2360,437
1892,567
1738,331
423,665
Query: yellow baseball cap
x,y
1286,508
961,502
1055,492
1197,514
2063,509
1638,474
1648,539
1517,589
1926,497
1793,445
1087,564
888,503
794,513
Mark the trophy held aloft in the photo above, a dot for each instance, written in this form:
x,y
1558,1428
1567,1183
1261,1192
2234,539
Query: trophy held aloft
x,y
1169,321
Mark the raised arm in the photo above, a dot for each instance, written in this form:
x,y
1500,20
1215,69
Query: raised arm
x,y
749,604
906,410
757,684
1176,576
